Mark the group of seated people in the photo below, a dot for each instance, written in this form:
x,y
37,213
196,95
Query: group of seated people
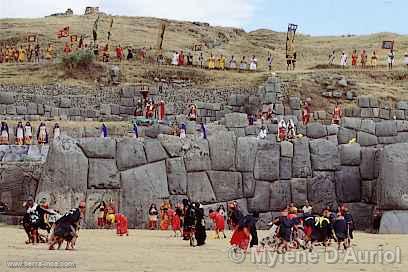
x,y
24,133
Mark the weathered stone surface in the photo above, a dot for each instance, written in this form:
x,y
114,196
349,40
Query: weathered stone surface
x,y
369,191
248,184
392,182
367,163
103,174
402,126
6,98
104,148
154,151
333,139
402,105
199,188
384,114
386,128
366,139
236,120
267,163
285,168
246,153
105,109
280,195
64,178
226,185
351,123
321,190
388,140
172,144
260,201
65,102
324,155
301,164
294,102
286,149
142,186
368,126
31,109
197,156
397,114
298,188
316,131
222,151
345,135
176,176
350,154
362,215
394,222
363,101
332,129
130,153
348,184
21,110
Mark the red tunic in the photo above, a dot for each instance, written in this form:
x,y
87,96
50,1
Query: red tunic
x,y
162,111
121,224
218,220
240,238
306,115
354,58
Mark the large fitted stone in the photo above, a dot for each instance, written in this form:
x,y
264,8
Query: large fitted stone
x,y
394,222
260,201
350,154
103,174
197,155
298,188
280,195
154,151
392,182
142,186
321,190
348,184
301,164
222,151
324,155
316,131
199,188
248,184
176,176
267,163
367,170
226,185
130,153
103,148
246,153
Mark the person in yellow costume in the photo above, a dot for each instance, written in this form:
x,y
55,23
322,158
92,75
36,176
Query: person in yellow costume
x,y
211,62
49,52
217,63
222,62
22,53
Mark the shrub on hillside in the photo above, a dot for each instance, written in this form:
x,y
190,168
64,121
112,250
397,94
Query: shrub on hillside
x,y
81,59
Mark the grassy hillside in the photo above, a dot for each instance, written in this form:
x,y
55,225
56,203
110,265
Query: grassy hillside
x,y
143,32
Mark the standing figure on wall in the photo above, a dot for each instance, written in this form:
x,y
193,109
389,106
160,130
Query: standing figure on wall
x,y
192,114
42,134
306,114
56,131
162,110
28,134
104,131
337,113
4,134
20,133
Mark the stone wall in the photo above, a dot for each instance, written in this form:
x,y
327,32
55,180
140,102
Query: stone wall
x,y
57,102
262,175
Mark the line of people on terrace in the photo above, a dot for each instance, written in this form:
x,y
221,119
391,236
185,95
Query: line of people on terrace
x,y
24,133
364,60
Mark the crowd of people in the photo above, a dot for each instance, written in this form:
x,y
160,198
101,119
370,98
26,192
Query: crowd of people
x,y
363,60
26,53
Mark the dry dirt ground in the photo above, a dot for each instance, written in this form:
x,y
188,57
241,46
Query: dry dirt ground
x,y
101,250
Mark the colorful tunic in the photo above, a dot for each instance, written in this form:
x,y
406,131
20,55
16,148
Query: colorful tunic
x,y
28,135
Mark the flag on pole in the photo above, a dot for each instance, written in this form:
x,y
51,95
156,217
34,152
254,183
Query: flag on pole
x,y
110,29
95,29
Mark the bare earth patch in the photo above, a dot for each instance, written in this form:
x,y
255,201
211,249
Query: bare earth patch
x,y
102,250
